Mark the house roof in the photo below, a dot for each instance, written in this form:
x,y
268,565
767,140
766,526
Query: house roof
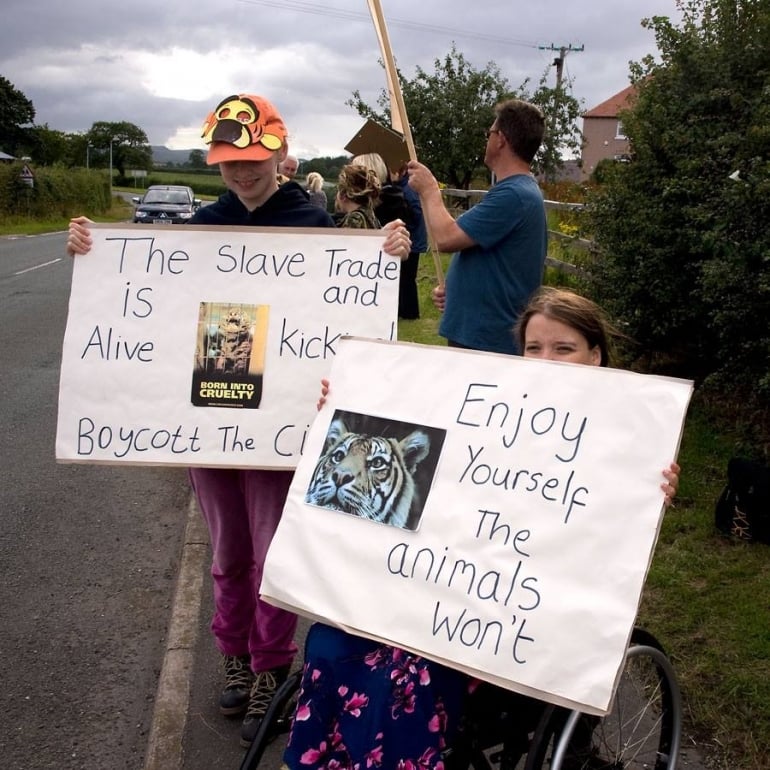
x,y
612,106
6,156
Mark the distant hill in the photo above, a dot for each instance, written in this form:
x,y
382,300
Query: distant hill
x,y
162,156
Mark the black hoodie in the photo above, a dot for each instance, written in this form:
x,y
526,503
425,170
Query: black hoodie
x,y
288,206
392,205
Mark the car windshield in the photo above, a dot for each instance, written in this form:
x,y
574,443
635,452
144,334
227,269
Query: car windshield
x,y
166,196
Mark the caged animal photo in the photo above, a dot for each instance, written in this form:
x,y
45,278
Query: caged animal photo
x,y
229,354
226,338
376,469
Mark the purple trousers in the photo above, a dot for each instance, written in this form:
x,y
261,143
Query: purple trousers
x,y
242,509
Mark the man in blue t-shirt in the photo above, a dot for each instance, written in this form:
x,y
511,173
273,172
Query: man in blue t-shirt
x,y
500,244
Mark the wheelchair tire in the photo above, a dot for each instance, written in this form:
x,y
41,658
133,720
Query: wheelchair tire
x,y
277,720
641,731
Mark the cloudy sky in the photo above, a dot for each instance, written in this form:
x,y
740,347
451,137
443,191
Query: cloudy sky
x,y
163,64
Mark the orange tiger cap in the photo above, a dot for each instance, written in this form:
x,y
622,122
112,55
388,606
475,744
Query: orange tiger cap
x,y
243,127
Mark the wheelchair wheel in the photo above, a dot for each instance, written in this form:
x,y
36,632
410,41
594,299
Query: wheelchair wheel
x,y
640,732
277,720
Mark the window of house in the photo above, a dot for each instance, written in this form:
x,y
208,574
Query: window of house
x,y
619,132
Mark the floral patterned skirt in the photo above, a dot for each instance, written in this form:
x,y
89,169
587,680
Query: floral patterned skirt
x,y
367,705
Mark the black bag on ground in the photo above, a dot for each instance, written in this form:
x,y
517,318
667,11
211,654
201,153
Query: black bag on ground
x,y
743,508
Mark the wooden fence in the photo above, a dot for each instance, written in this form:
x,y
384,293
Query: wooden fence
x,y
468,198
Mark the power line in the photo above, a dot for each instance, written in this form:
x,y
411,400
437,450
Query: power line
x,y
339,13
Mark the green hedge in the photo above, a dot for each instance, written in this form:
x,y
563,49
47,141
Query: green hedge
x,y
56,192
202,184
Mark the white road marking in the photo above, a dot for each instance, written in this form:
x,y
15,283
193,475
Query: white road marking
x,y
37,267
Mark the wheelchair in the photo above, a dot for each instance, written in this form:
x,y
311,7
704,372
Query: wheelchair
x,y
507,731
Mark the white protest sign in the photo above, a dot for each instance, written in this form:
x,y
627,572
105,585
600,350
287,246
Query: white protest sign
x,y
536,512
204,346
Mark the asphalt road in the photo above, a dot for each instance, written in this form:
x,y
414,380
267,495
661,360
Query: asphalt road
x,y
102,574
88,554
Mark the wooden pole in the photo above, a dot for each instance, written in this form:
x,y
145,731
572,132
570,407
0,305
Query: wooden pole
x,y
397,103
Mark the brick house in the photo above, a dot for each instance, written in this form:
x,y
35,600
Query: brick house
x,y
603,135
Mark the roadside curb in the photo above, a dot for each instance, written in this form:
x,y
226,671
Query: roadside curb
x,y
164,750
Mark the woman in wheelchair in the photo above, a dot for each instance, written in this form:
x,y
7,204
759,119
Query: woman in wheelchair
x,y
363,704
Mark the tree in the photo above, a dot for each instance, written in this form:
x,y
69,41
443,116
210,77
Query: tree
x,y
197,159
16,116
78,151
328,168
683,242
127,142
448,111
562,111
46,146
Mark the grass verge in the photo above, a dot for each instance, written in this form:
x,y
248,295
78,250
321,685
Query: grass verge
x,y
120,212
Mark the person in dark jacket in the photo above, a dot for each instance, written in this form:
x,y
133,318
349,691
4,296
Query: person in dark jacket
x,y
242,507
399,201
408,297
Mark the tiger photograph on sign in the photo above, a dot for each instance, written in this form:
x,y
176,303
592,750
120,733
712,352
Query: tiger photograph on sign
x,y
377,469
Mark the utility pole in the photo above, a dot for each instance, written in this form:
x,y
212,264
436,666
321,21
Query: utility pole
x,y
558,62
552,148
